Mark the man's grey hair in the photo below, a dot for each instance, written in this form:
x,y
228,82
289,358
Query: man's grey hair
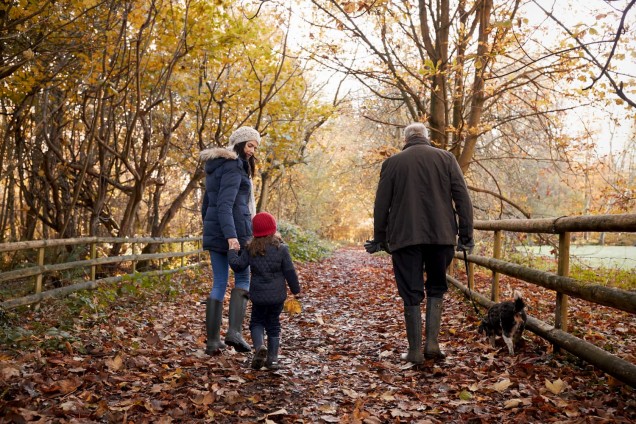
x,y
415,129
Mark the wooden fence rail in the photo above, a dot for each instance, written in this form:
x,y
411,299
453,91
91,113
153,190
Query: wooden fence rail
x,y
39,270
560,282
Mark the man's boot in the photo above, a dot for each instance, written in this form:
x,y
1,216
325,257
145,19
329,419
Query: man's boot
x,y
413,321
238,304
260,351
213,317
433,322
272,353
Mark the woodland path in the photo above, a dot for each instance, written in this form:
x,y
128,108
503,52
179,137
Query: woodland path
x,y
144,362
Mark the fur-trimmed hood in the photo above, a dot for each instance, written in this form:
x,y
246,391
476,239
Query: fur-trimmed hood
x,y
217,152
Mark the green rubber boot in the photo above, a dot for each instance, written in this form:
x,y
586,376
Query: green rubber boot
x,y
433,322
238,305
213,317
413,321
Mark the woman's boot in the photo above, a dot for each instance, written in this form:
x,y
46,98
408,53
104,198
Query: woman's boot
x,y
213,317
238,304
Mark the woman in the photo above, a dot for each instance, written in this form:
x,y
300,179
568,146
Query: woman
x,y
227,210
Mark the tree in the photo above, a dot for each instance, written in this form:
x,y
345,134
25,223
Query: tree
x,y
467,69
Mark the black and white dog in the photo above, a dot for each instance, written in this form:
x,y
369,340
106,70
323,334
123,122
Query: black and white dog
x,y
506,319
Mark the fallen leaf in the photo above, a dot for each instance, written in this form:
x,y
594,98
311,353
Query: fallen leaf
x,y
555,387
512,403
465,395
400,413
502,385
387,396
115,363
329,409
9,372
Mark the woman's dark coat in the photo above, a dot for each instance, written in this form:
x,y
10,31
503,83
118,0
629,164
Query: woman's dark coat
x,y
421,190
269,274
225,208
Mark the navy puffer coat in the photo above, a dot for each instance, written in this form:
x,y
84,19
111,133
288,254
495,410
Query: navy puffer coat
x,y
269,274
226,203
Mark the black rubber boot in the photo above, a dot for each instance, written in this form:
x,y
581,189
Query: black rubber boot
x,y
213,317
433,322
260,351
413,321
272,353
238,304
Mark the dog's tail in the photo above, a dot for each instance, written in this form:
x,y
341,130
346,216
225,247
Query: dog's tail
x,y
519,303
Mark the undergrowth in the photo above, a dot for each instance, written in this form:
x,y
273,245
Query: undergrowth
x,y
49,326
304,246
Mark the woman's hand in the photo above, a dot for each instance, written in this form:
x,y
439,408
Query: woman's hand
x,y
233,244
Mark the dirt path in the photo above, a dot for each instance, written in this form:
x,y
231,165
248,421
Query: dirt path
x,y
340,357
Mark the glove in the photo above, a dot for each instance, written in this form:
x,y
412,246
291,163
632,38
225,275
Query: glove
x,y
465,244
372,246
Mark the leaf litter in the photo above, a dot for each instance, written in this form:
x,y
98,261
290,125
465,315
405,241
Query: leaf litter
x,y
340,358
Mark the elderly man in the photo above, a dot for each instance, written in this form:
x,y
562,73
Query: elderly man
x,y
420,198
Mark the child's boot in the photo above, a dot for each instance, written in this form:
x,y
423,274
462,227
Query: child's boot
x,y
272,353
260,351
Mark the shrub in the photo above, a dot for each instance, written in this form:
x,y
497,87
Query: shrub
x,y
304,245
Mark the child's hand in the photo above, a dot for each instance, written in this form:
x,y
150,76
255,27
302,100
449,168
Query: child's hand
x,y
298,296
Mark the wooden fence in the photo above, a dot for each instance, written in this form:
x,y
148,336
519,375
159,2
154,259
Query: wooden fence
x,y
560,282
37,272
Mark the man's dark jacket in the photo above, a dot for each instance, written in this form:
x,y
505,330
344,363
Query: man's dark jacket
x,y
421,190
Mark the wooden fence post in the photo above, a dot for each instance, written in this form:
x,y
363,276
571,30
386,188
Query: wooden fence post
x,y
563,269
134,263
93,256
494,289
182,257
38,278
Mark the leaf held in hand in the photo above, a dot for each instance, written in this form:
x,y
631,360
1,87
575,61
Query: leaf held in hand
x,y
292,306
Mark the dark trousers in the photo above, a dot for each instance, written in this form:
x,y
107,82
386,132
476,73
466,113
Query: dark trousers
x,y
409,265
267,317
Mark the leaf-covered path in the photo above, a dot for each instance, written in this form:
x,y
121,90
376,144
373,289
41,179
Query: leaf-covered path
x,y
144,362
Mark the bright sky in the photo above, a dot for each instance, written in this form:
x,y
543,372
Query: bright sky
x,y
613,129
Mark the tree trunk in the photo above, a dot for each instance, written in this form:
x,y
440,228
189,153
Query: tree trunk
x,y
478,100
263,199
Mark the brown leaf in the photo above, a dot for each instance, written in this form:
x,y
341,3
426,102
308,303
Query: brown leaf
x,y
115,363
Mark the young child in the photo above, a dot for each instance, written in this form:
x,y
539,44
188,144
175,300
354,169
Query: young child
x,y
271,266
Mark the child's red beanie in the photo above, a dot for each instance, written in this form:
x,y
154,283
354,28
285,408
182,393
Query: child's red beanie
x,y
263,224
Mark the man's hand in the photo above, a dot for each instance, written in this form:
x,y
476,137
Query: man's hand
x,y
372,246
465,244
